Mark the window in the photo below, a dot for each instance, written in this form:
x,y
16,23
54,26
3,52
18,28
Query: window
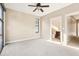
x,y
37,25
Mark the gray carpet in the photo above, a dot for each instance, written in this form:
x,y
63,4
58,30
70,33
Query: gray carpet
x,y
38,47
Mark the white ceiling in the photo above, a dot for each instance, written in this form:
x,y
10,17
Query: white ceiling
x,y
23,7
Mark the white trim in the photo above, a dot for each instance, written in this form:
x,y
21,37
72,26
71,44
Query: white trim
x,y
70,14
4,27
65,33
74,13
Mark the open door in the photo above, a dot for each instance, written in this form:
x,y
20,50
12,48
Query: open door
x,y
1,35
2,9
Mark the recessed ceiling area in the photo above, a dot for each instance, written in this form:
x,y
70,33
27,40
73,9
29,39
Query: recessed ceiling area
x,y
23,7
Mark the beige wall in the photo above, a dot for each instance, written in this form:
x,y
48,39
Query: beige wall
x,y
19,26
45,23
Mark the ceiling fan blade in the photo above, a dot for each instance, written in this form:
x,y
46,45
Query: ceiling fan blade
x,y
42,10
44,6
32,5
34,9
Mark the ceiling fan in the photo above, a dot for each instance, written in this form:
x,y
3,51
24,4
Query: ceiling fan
x,y
38,7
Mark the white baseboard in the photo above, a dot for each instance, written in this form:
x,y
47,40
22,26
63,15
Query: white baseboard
x,y
19,40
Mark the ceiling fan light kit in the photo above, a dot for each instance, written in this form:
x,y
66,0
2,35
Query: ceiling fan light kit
x,y
39,7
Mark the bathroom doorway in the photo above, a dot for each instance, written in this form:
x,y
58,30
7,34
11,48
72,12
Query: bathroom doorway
x,y
56,29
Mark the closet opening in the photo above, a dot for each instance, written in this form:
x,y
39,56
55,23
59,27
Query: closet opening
x,y
73,29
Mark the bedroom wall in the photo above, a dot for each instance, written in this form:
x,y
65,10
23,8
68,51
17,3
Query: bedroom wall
x,y
45,26
19,26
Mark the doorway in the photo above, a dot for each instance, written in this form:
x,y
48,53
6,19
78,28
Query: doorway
x,y
2,9
56,29
73,28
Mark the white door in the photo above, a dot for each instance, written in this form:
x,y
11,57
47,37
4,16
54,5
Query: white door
x,y
0,34
1,27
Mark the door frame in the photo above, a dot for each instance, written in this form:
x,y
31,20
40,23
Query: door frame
x,y
70,14
61,34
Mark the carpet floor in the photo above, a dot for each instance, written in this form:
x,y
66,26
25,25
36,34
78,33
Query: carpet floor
x,y
38,47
